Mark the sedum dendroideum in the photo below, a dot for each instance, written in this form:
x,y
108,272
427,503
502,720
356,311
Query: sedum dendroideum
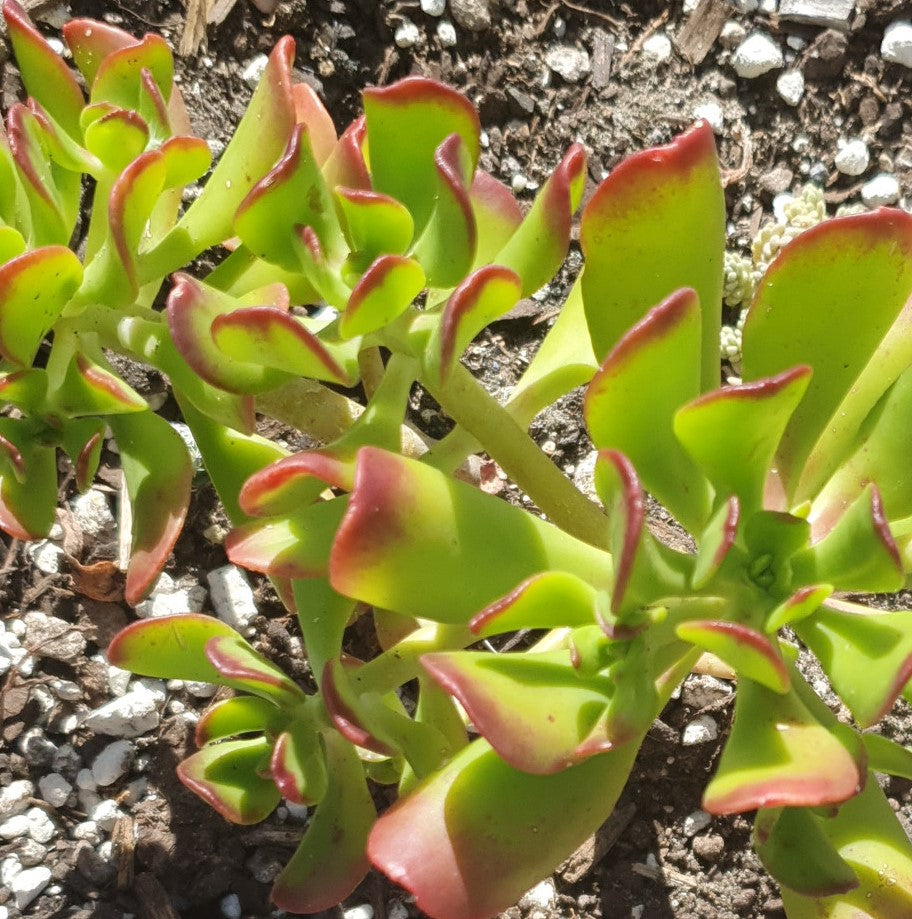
x,y
793,484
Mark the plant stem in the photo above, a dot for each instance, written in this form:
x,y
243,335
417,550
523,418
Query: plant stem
x,y
469,405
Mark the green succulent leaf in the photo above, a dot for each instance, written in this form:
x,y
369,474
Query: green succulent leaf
x,y
299,764
655,225
89,388
25,389
887,756
28,480
240,666
118,77
716,542
802,603
385,291
345,166
855,273
91,41
117,138
497,216
237,716
157,472
227,776
310,112
655,366
373,224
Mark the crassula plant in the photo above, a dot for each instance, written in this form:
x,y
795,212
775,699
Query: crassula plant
x,y
793,484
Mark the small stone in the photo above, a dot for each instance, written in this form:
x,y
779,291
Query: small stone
x,y
118,679
827,13
361,911
14,827
700,690
37,749
68,691
518,183
85,781
446,34
541,896
690,5
756,55
92,513
853,157
112,763
396,909
201,690
658,48
53,637
45,556
30,853
584,475
433,7
254,71
232,597
881,191
790,86
87,830
896,46
106,813
27,884
732,34
94,866
41,827
701,730
168,598
708,848
474,15
712,113
55,789
695,822
14,798
132,714
568,62
407,34
230,905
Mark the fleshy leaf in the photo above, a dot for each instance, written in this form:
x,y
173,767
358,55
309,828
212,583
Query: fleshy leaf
x,y
497,216
347,712
804,602
867,655
82,439
539,246
548,600
299,765
227,777
747,651
797,853
117,138
118,78
887,756
654,367
716,542
345,166
857,274
657,224
330,861
858,554
236,716
157,472
311,112
411,533
238,664
169,647
374,224
34,289
425,112
733,433
91,41
28,484
485,295
91,389
384,291
779,755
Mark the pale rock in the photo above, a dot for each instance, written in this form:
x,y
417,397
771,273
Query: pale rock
x,y
584,475
135,791
474,15
790,86
14,798
53,637
732,34
9,868
67,690
118,679
700,690
831,14
570,63
45,556
12,654
230,905
158,689
232,597
746,6
695,822
106,813
93,513
30,853
27,884
690,5
396,909
896,46
169,598
518,183
55,789
253,72
298,812
657,48
636,912
407,34
361,911
41,827
4,912
434,8
446,34
796,42
88,800
14,827
112,762
701,730
85,780
201,690
541,896
89,831
882,190
712,113
768,6
853,157
132,714
757,55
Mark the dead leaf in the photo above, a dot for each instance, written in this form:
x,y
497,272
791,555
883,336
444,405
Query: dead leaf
x,y
102,581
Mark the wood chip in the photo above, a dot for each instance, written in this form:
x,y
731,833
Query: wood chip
x,y
194,33
123,845
665,875
596,847
702,29
153,899
602,52
219,11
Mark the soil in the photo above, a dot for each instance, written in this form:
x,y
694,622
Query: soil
x,y
650,861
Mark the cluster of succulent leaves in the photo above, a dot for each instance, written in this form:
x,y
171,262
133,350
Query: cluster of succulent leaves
x,y
794,485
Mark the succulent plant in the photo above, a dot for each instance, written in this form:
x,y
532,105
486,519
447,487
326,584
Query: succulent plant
x,y
793,484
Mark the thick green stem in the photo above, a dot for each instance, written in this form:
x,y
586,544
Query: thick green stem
x,y
469,405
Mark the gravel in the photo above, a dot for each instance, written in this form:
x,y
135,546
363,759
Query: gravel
x,y
700,730
853,157
756,55
896,46
568,62
132,714
474,15
790,86
27,884
882,191
55,789
232,597
112,763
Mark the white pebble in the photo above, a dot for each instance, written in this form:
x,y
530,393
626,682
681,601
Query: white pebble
x,y
132,714
45,556
700,730
92,512
756,55
55,789
28,884
658,48
89,831
541,896
253,72
67,690
790,86
732,34
14,827
407,34
433,7
201,690
700,690
14,798
41,827
446,34
106,813
882,190
853,157
396,909
168,598
362,911
231,904
568,62
232,597
85,780
695,822
30,853
896,46
712,113
518,183
112,763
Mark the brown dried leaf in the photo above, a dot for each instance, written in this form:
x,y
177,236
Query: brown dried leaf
x,y
102,581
